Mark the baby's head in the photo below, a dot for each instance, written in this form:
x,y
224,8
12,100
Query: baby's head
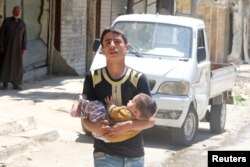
x,y
142,106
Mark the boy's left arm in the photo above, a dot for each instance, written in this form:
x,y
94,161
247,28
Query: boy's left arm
x,y
122,127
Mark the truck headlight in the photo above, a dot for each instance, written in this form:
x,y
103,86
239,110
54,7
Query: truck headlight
x,y
180,88
168,114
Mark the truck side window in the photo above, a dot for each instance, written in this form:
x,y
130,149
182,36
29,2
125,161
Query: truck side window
x,y
201,49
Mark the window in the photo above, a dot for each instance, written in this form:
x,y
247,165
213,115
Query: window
x,y
201,41
201,48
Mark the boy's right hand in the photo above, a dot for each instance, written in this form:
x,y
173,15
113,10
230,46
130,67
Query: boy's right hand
x,y
109,100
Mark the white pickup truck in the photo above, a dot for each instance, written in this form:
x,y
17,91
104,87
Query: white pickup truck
x,y
172,51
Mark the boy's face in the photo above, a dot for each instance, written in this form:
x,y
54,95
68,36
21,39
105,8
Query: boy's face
x,y
114,47
131,106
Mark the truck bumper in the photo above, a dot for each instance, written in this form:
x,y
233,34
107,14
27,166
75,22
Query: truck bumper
x,y
171,110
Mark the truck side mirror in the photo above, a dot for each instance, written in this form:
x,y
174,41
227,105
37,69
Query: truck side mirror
x,y
96,44
201,54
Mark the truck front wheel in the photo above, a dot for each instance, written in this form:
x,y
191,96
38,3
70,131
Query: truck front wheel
x,y
186,134
217,118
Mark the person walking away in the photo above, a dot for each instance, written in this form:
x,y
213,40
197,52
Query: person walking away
x,y
13,40
122,83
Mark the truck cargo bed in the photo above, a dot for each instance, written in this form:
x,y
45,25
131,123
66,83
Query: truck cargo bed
x,y
223,77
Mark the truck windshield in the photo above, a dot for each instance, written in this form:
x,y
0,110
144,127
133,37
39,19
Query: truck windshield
x,y
158,39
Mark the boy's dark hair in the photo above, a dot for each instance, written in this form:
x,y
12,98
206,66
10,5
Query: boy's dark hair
x,y
116,31
146,105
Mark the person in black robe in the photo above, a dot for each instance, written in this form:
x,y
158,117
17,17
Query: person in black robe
x,y
13,40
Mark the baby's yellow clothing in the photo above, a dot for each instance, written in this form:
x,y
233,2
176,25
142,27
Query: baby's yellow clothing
x,y
120,114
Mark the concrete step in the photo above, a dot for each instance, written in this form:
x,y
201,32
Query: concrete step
x,y
21,135
17,126
19,143
40,135
10,146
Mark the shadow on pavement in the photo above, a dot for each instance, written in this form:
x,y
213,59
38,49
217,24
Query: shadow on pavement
x,y
161,138
158,138
83,138
50,88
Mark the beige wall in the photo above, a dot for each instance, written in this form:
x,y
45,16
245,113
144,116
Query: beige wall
x,y
224,35
73,36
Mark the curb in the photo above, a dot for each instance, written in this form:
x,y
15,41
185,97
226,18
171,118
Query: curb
x,y
41,134
13,146
17,126
17,137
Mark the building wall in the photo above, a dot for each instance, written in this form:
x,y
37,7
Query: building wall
x,y
110,9
237,11
139,6
118,8
217,29
227,23
36,53
106,19
246,33
183,7
73,35
151,6
145,6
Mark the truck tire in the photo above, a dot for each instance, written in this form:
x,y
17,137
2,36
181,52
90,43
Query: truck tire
x,y
217,118
186,134
85,130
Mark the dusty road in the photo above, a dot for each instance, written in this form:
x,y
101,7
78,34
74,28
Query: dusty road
x,y
49,102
